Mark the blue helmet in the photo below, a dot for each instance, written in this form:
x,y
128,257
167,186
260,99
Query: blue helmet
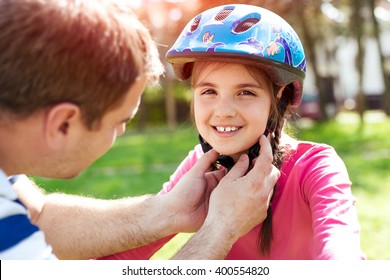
x,y
242,34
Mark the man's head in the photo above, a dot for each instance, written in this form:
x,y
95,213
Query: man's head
x,y
87,53
71,76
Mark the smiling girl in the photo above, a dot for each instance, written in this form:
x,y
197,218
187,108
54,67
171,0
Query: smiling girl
x,y
245,76
231,105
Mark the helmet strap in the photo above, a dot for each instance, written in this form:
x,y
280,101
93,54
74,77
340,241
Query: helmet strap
x,y
222,160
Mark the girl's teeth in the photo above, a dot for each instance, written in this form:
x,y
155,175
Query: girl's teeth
x,y
226,129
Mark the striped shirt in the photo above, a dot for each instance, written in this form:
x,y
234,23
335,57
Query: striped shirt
x,y
19,238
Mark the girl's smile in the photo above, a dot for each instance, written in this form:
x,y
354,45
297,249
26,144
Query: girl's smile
x,y
227,131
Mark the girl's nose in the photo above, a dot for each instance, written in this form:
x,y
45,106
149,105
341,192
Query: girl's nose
x,y
225,108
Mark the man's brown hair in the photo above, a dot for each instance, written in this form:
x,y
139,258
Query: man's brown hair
x,y
85,52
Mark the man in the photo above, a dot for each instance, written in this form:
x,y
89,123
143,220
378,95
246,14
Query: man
x,y
71,77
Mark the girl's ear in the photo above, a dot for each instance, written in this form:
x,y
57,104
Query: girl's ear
x,y
61,121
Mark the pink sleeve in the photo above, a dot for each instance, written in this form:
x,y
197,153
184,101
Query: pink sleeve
x,y
147,251
327,189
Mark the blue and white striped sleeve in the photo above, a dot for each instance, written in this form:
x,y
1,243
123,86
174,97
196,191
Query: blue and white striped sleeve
x,y
19,238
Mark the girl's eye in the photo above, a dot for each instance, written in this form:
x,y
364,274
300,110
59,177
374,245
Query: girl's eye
x,y
208,92
247,92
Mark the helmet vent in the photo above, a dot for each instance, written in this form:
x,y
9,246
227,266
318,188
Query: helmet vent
x,y
224,13
195,24
246,24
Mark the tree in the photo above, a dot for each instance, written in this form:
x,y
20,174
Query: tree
x,y
376,31
311,38
357,26
165,20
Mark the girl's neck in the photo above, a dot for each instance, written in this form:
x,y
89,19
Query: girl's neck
x,y
284,140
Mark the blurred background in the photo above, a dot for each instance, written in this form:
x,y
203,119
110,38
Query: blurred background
x,y
346,104
345,43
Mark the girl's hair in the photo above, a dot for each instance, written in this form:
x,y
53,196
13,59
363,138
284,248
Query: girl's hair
x,y
265,236
277,113
85,52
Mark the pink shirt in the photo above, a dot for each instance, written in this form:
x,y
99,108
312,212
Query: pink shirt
x,y
314,212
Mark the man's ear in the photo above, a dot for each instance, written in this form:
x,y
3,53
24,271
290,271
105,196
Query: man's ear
x,y
60,121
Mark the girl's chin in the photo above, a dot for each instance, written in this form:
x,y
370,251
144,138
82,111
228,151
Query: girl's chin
x,y
234,156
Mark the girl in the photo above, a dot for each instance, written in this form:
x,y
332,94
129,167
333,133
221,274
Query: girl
x,y
247,68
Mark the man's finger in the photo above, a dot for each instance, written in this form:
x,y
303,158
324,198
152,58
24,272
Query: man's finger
x,y
263,164
265,149
240,168
214,177
265,156
217,174
204,163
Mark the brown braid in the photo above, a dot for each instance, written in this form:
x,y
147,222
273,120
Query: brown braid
x,y
265,235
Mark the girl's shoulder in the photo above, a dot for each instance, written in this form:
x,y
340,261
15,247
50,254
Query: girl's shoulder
x,y
307,151
306,161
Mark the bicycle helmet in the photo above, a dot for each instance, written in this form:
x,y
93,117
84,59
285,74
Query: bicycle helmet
x,y
242,34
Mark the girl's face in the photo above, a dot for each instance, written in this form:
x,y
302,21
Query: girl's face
x,y
231,106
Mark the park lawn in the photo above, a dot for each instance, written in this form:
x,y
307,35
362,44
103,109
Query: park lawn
x,y
140,162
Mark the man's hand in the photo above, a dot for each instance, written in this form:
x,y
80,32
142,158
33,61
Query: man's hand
x,y
240,201
189,199
236,205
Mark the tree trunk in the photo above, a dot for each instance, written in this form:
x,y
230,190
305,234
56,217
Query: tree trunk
x,y
170,102
357,27
310,51
386,94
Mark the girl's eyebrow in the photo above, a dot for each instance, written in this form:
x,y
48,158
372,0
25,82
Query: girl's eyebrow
x,y
204,84
250,85
243,85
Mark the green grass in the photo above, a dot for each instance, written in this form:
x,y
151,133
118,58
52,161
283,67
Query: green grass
x,y
140,162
